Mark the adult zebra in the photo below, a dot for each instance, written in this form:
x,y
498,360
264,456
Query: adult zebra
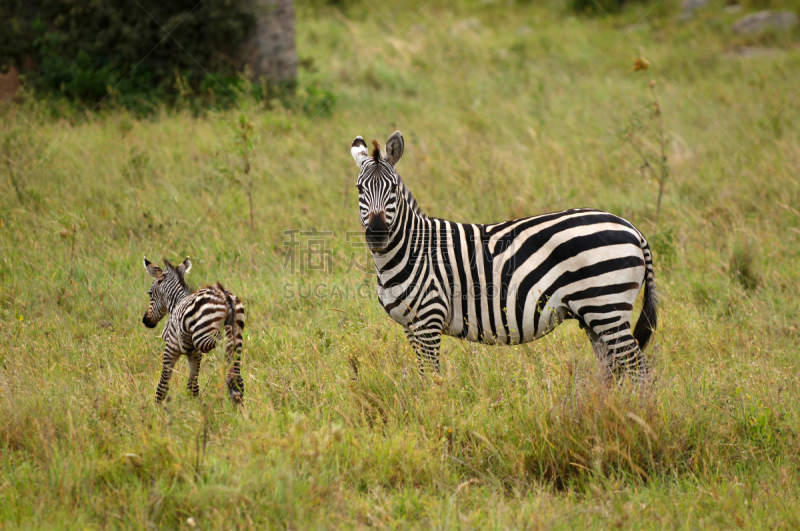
x,y
509,282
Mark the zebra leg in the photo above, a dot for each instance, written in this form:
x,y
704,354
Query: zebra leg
x,y
616,349
194,370
233,352
631,360
603,359
625,356
426,345
170,359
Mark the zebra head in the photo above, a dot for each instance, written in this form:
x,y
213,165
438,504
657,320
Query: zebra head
x,y
168,287
378,188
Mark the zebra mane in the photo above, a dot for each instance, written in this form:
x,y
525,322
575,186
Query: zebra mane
x,y
411,201
181,281
376,152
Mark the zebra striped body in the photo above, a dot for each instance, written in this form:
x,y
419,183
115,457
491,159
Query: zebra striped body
x,y
505,283
195,324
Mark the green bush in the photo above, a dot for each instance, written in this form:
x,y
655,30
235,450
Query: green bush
x,y
86,49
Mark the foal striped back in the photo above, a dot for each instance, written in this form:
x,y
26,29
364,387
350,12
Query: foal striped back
x,y
195,325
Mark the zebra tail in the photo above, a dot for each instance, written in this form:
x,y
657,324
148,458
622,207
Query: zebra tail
x,y
648,319
231,314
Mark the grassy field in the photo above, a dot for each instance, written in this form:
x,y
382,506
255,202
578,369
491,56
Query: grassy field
x,y
507,110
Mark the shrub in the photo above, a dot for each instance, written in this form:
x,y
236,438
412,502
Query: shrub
x,y
85,50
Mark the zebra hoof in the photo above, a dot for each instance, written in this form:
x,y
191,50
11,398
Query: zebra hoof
x,y
235,392
236,397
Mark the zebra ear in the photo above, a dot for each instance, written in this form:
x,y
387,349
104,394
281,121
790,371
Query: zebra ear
x,y
152,269
359,151
394,148
184,267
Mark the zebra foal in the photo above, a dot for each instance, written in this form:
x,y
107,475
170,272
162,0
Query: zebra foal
x,y
504,283
195,324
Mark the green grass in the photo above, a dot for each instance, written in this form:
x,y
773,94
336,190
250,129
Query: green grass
x,y
516,112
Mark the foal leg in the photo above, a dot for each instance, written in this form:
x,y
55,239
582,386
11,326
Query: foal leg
x,y
171,356
233,351
194,370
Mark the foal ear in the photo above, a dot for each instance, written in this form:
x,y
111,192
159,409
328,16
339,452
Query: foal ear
x,y
394,148
152,269
184,267
359,151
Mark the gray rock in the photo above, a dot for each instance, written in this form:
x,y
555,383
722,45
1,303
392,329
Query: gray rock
x,y
691,5
762,21
688,7
752,52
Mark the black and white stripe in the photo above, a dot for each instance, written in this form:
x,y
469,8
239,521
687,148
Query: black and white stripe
x,y
505,283
195,324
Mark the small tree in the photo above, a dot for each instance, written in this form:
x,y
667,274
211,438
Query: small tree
x,y
243,139
645,133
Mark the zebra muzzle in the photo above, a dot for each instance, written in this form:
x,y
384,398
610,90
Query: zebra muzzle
x,y
147,322
377,234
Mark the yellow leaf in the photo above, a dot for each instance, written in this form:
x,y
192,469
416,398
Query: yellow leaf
x,y
641,63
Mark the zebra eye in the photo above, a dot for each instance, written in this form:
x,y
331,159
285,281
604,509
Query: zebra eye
x,y
360,188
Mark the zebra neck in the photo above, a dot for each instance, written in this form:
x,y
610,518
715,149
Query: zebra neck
x,y
175,297
407,236
407,240
406,199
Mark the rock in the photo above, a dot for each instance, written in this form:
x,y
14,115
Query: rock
x,y
688,7
752,52
733,8
691,5
762,21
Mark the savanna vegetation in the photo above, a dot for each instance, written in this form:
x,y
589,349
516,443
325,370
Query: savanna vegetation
x,y
134,54
507,110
